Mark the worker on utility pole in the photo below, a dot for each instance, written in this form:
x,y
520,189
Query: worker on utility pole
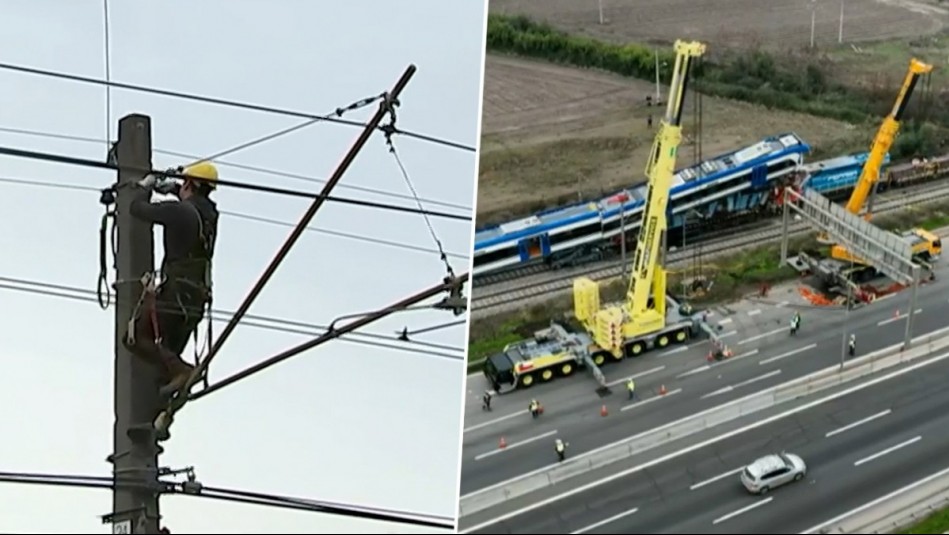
x,y
177,307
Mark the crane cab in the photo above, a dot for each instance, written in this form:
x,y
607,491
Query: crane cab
x,y
926,245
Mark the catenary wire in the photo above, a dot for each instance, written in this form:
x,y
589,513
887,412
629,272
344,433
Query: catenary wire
x,y
95,164
239,215
343,234
108,72
405,176
451,284
258,325
235,495
217,101
258,169
338,112
436,327
279,324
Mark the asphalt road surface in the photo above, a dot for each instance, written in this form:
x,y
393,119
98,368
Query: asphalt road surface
x,y
858,447
765,355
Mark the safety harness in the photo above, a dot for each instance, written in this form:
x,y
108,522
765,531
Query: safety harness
x,y
184,272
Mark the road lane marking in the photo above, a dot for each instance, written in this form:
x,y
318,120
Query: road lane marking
x,y
788,354
725,321
515,444
716,478
882,499
613,518
496,420
902,316
637,375
710,366
782,304
635,404
729,333
671,351
741,384
754,312
891,449
689,449
763,335
694,371
742,511
857,423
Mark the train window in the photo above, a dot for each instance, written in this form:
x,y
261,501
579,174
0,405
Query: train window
x,y
495,256
575,233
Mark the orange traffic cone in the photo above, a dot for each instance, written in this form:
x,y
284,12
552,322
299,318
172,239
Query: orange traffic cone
x,y
662,390
502,444
603,411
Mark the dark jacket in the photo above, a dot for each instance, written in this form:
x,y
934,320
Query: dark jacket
x,y
190,235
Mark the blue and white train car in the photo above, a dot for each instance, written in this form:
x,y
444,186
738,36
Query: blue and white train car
x,y
733,182
835,178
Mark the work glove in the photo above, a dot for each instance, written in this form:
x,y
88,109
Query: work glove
x,y
167,186
148,182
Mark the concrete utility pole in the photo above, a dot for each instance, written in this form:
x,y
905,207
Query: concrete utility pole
x,y
135,454
840,29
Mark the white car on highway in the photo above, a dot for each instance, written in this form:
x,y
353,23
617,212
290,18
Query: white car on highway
x,y
772,471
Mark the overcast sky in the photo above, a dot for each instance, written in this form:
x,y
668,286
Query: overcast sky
x,y
344,422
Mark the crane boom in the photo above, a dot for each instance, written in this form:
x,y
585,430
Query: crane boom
x,y
649,275
882,142
884,139
641,321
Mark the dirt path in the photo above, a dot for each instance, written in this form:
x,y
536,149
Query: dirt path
x,y
553,134
774,24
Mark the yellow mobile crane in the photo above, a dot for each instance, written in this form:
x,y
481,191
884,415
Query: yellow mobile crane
x,y
617,331
644,320
926,246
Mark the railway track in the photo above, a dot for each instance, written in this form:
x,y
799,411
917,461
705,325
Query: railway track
x,y
525,291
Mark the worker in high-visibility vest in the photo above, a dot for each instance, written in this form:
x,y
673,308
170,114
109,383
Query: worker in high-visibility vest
x,y
534,407
852,345
561,449
631,388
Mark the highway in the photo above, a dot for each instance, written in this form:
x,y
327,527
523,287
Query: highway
x,y
858,447
765,355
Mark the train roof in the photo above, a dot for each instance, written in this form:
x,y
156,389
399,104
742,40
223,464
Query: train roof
x,y
839,162
685,178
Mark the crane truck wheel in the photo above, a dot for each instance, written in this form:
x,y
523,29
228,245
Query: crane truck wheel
x,y
663,341
526,380
599,358
681,336
547,375
566,369
635,349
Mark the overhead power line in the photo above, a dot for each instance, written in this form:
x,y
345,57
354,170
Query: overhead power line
x,y
258,169
108,72
249,217
257,321
219,101
95,164
449,284
235,495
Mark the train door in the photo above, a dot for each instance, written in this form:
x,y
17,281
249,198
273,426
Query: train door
x,y
534,247
759,178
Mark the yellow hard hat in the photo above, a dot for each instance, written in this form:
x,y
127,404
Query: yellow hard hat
x,y
205,170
